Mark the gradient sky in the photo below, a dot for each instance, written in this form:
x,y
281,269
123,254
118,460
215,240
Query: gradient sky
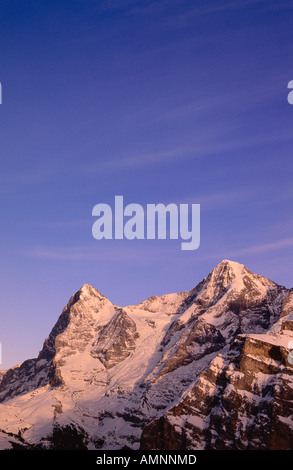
x,y
156,100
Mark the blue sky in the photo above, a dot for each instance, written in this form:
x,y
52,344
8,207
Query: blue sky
x,y
159,101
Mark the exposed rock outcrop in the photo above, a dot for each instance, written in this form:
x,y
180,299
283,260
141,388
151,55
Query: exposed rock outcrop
x,y
243,400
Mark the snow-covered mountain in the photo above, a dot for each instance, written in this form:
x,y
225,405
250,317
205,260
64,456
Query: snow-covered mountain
x,y
206,368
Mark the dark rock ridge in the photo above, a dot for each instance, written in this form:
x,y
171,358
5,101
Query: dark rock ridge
x,y
116,340
243,400
43,370
197,340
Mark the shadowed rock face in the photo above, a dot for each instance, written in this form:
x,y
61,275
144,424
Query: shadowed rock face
x,y
243,400
67,335
204,369
116,340
35,373
198,339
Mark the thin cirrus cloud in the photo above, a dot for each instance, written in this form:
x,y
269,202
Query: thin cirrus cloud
x,y
77,253
198,150
130,253
263,248
212,8
136,160
133,253
213,201
154,7
236,98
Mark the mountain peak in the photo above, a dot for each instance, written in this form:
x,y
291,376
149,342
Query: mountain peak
x,y
227,273
232,266
86,287
238,275
88,290
230,278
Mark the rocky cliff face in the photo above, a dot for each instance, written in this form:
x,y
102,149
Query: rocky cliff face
x,y
243,400
116,340
203,369
2,373
72,332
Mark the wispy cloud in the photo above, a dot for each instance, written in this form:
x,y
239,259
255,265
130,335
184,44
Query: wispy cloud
x,y
151,8
210,8
278,6
221,198
116,4
65,223
262,248
140,159
61,253
76,253
199,148
104,250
